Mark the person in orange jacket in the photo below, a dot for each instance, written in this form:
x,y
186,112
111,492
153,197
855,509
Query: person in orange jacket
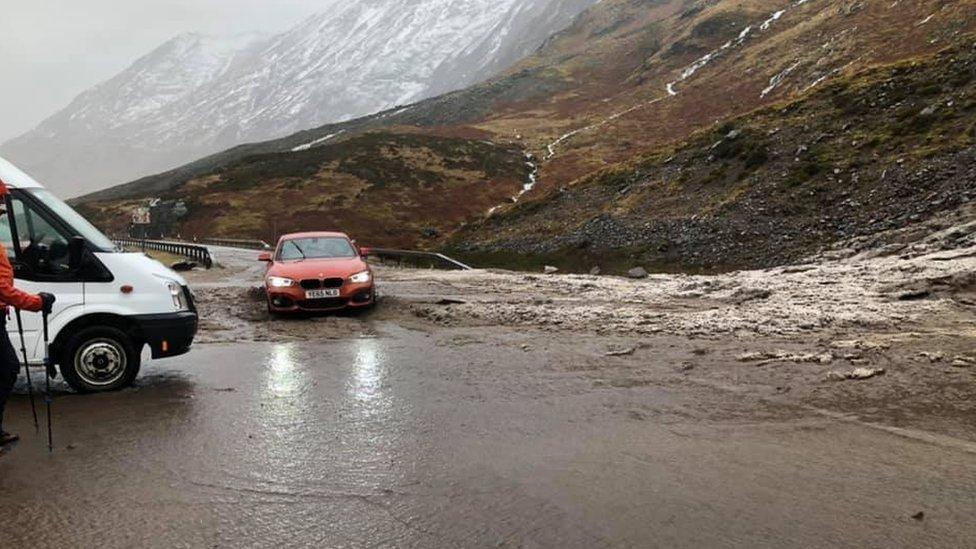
x,y
12,297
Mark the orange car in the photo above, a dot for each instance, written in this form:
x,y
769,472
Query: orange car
x,y
321,271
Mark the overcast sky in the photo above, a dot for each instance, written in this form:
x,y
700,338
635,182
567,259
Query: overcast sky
x,y
52,50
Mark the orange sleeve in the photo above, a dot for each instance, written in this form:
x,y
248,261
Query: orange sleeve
x,y
10,295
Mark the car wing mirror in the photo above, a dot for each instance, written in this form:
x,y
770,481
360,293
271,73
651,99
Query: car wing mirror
x,y
76,252
265,257
364,251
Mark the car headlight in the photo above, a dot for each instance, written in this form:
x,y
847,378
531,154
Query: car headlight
x,y
360,278
279,282
179,298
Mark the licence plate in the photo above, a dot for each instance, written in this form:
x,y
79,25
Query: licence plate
x,y
321,294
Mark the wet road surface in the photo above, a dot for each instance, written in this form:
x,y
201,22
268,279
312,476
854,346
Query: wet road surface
x,y
466,438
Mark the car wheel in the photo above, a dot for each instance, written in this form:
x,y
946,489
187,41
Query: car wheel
x,y
272,314
100,359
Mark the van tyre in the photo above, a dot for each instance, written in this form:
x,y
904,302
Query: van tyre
x,y
99,359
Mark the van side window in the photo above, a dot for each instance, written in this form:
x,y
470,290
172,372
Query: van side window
x,y
6,237
43,248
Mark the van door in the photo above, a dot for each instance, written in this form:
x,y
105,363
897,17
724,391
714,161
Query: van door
x,y
38,250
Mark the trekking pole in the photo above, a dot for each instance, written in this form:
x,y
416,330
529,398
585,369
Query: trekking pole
x,y
30,383
48,400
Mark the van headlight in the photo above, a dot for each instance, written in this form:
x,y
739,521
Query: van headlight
x,y
361,278
179,298
280,282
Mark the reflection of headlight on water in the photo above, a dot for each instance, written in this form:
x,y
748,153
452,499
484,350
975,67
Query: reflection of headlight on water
x,y
368,370
283,377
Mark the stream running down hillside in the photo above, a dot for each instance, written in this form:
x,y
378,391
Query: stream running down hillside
x,y
671,91
686,73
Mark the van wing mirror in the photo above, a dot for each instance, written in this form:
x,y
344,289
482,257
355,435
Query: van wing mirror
x,y
76,252
265,257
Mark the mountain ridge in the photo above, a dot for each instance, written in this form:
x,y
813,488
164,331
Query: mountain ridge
x,y
195,96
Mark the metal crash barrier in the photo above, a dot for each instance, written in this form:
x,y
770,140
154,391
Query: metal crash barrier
x,y
238,243
195,252
410,258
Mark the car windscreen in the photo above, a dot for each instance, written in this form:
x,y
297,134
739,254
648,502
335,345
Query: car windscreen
x,y
316,248
74,220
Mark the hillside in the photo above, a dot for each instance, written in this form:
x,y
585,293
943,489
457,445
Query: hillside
x,y
626,79
380,187
869,154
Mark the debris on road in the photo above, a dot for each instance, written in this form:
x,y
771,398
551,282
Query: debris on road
x,y
963,362
622,352
857,374
549,270
743,295
769,357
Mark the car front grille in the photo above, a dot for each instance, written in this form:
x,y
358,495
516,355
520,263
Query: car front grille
x,y
323,304
333,283
315,284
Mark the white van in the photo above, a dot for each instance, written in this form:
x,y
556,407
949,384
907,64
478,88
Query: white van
x,y
110,304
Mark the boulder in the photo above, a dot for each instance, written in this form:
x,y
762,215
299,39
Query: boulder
x,y
637,273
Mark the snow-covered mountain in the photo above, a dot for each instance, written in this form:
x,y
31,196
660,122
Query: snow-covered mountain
x,y
196,95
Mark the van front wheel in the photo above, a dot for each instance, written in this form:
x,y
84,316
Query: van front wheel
x,y
99,359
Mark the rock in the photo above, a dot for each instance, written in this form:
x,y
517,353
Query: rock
x,y
595,271
865,373
914,295
963,362
919,515
449,301
183,266
637,273
742,295
856,374
836,376
767,357
933,357
622,352
549,269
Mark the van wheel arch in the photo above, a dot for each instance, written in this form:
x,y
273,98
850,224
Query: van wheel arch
x,y
99,319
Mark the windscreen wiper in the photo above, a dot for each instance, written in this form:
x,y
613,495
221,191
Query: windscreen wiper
x,y
292,242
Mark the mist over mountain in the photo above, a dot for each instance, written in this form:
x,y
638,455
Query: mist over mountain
x,y
196,95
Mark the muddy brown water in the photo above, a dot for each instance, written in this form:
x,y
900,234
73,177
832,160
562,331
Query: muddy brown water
x,y
466,438
392,430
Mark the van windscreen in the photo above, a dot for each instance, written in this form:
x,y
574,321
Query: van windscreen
x,y
74,220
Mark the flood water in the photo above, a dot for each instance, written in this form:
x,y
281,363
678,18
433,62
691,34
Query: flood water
x,y
461,439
